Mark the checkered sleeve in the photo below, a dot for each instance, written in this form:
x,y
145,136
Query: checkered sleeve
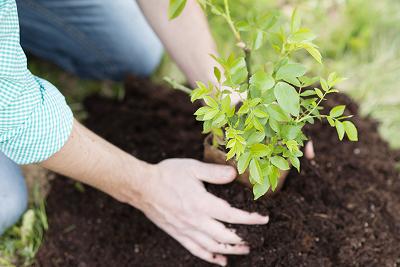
x,y
35,121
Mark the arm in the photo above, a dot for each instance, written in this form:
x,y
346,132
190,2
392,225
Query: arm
x,y
187,38
160,191
36,125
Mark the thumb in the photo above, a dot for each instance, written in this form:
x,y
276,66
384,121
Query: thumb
x,y
214,173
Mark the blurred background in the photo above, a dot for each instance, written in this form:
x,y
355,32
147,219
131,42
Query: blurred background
x,y
359,39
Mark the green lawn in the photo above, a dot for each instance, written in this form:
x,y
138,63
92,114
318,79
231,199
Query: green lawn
x,y
360,39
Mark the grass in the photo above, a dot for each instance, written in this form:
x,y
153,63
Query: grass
x,y
360,39
19,245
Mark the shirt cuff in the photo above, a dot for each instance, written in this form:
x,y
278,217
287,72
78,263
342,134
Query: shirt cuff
x,y
45,131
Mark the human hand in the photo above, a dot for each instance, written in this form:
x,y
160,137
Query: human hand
x,y
175,199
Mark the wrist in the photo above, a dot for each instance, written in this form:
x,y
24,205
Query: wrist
x,y
135,181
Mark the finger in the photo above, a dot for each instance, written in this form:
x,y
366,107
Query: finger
x,y
200,252
309,150
220,248
222,210
219,232
214,173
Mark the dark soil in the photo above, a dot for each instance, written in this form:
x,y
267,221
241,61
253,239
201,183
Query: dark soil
x,y
343,209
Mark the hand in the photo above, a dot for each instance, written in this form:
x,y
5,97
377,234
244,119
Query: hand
x,y
175,199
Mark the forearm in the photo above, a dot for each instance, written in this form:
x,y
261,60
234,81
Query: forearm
x,y
187,38
90,159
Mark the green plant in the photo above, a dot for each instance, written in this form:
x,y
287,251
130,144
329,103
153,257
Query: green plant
x,y
19,245
265,134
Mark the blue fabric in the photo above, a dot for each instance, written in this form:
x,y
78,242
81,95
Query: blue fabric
x,y
13,193
92,38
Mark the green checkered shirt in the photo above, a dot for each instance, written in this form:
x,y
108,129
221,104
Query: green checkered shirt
x,y
35,121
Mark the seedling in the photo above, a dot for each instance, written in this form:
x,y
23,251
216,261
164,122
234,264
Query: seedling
x,y
264,135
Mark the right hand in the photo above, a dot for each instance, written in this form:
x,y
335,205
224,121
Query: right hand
x,y
175,199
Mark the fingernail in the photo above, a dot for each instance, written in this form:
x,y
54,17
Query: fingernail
x,y
246,249
266,219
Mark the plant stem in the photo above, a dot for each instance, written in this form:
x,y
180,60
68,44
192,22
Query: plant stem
x,y
183,89
246,50
312,110
178,86
247,58
230,22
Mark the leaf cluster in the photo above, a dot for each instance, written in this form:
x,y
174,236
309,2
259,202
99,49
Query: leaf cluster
x,y
264,135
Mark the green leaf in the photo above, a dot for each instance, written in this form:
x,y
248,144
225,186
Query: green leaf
x,y
351,130
295,22
274,125
292,145
308,93
290,71
268,97
217,74
219,120
280,162
314,53
210,101
206,127
334,79
331,121
210,114
294,81
260,113
200,92
340,129
175,8
303,35
244,108
260,189
273,176
257,124
287,98
230,154
277,113
324,84
203,110
262,81
267,21
216,10
260,150
291,131
238,71
319,93
243,162
255,137
243,26
258,40
307,81
226,104
337,111
255,171
295,162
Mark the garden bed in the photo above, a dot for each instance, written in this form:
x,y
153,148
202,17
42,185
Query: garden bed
x,y
343,209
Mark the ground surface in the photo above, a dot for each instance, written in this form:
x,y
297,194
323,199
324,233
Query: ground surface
x,y
341,210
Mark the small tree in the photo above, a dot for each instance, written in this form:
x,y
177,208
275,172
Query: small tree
x,y
265,134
